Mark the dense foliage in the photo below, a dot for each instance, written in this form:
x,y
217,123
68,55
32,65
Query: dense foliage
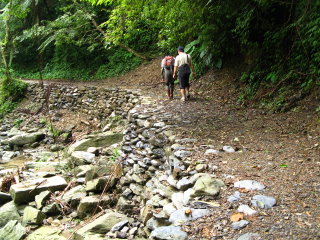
x,y
278,41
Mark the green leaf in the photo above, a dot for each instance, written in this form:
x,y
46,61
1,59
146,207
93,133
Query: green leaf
x,y
283,165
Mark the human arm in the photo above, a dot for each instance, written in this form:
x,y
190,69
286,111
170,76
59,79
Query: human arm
x,y
162,75
175,72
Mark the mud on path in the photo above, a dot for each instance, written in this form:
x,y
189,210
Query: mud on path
x,y
280,150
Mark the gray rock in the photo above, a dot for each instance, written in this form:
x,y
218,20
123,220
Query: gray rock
x,y
124,205
42,198
39,165
169,209
158,140
25,138
249,185
201,167
228,149
207,186
235,197
27,190
169,233
88,205
172,181
158,152
239,225
33,216
184,184
186,140
101,225
7,156
246,210
262,201
180,217
136,189
153,223
99,140
43,156
99,184
13,230
4,198
55,148
52,209
182,154
46,232
249,236
83,157
118,226
178,199
69,195
211,151
8,212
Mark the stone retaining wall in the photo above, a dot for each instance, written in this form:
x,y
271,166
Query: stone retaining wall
x,y
96,101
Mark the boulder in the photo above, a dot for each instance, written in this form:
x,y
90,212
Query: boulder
x,y
4,198
8,212
33,216
101,225
100,140
26,191
169,233
99,184
25,138
46,232
207,186
88,205
13,230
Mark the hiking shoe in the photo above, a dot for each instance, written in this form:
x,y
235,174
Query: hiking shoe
x,y
183,99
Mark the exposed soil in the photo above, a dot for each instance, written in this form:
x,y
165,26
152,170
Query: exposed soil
x,y
280,150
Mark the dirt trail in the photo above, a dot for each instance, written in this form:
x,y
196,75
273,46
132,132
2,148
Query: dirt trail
x,y
280,150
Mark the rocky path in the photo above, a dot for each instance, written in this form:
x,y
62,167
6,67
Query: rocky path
x,y
205,169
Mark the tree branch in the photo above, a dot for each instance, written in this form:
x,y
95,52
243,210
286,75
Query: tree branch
x,y
127,48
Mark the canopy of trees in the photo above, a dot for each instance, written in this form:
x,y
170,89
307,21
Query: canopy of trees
x,y
94,39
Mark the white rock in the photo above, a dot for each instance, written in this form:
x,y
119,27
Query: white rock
x,y
211,151
246,210
249,185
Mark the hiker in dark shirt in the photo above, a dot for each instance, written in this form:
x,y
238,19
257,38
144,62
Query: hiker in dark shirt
x,y
167,65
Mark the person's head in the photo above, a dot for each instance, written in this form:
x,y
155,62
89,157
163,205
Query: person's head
x,y
180,49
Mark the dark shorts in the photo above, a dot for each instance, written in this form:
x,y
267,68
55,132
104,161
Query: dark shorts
x,y
184,76
168,78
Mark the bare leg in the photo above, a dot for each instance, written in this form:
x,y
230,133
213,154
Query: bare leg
x,y
169,93
183,93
